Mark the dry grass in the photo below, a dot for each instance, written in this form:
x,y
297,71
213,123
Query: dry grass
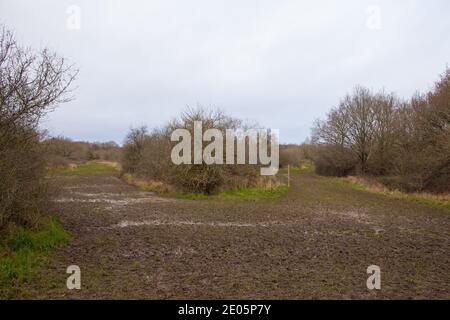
x,y
263,188
115,165
88,168
147,184
372,185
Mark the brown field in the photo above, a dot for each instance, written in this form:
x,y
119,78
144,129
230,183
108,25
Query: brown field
x,y
317,242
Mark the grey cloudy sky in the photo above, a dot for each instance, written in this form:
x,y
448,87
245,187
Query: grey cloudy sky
x,y
279,63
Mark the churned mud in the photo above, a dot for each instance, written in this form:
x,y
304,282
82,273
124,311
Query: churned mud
x,y
315,243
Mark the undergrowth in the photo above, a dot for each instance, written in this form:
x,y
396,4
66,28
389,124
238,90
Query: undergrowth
x,y
24,252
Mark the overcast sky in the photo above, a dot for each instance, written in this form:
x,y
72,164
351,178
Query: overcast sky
x,y
279,63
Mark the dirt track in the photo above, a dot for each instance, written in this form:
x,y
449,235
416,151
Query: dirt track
x,y
315,243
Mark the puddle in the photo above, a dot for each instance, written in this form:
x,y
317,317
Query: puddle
x,y
94,195
127,223
263,224
84,186
114,202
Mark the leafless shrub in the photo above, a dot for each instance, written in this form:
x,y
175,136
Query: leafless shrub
x,y
297,155
149,154
290,155
133,149
108,151
334,160
423,139
31,84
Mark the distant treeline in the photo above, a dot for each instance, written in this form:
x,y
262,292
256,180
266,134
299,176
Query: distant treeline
x,y
297,155
407,142
61,151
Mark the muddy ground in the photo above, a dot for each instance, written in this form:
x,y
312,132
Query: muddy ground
x,y
315,243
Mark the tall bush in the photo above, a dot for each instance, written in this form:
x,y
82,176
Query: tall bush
x,y
31,84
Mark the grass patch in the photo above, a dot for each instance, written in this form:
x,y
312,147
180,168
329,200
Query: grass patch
x,y
264,192
145,184
434,200
91,168
247,194
24,253
304,167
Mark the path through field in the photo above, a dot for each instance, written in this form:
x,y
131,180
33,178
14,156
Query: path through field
x,y
315,243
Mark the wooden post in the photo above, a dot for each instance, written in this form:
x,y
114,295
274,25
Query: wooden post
x,y
289,175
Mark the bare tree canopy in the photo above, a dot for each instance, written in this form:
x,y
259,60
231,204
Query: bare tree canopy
x,y
31,84
381,135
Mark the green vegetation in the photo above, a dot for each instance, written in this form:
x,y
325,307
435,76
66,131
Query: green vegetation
x,y
24,253
304,167
247,194
268,192
91,168
312,189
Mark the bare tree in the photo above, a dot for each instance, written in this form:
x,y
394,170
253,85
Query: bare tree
x,y
386,136
361,124
31,84
133,148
